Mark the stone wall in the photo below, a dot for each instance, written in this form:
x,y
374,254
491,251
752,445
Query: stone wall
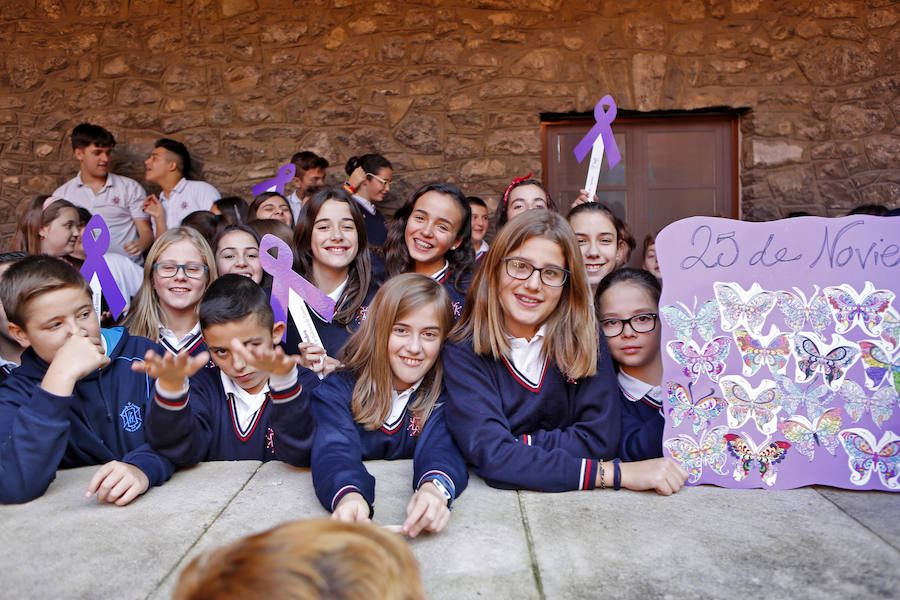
x,y
450,90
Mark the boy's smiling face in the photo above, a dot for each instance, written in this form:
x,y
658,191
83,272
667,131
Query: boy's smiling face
x,y
250,332
53,317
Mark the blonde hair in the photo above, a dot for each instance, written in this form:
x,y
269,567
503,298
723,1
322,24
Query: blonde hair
x,y
309,560
144,317
365,354
572,336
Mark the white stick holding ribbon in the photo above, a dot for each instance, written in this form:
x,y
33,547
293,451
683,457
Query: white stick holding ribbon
x,y
598,139
593,175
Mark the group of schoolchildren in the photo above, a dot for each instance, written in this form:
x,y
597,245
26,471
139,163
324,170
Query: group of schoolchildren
x,y
534,360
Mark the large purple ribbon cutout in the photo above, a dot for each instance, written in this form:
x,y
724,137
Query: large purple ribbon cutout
x,y
603,120
95,264
285,174
284,279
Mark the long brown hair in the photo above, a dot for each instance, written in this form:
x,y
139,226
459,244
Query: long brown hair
x,y
28,233
359,273
572,335
365,354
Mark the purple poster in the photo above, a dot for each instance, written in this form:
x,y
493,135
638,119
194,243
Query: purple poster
x,y
781,351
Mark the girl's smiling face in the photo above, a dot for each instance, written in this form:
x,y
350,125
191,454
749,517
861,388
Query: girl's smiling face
x,y
275,207
622,301
180,292
239,253
334,238
414,345
597,239
58,237
432,230
525,197
528,303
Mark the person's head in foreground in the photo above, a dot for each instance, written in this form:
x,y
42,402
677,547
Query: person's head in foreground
x,y
308,560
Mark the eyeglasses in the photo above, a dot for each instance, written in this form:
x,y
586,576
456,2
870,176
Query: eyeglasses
x,y
522,269
192,270
642,323
384,182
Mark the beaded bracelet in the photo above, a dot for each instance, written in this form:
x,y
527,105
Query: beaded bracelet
x,y
602,476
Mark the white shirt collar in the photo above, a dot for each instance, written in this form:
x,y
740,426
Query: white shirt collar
x,y
368,206
440,274
635,389
525,355
246,405
399,401
179,187
336,294
173,340
80,181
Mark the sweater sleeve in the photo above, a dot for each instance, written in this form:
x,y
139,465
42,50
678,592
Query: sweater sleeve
x,y
437,455
181,428
34,432
293,424
596,425
642,431
476,419
155,466
337,467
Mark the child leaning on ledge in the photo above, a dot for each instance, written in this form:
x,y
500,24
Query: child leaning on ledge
x,y
74,401
247,407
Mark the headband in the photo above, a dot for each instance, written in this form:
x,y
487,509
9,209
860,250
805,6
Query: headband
x,y
512,184
50,200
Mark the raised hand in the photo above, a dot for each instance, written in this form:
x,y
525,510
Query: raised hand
x,y
272,360
170,370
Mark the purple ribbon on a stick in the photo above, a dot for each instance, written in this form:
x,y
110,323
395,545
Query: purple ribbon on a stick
x,y
284,279
285,174
95,263
602,128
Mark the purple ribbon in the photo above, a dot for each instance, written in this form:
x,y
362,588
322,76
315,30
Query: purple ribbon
x,y
285,174
603,120
284,279
95,263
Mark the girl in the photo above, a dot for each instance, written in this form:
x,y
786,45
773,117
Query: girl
x,y
271,205
387,402
332,254
596,230
533,402
369,181
650,262
236,249
432,235
233,208
49,225
178,269
628,309
522,194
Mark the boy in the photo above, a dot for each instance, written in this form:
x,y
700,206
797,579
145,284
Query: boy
x,y
309,173
10,350
248,406
74,401
480,224
117,199
167,166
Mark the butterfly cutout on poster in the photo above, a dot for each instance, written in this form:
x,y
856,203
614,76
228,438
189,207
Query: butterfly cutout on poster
x,y
866,309
772,350
749,307
766,456
857,402
806,435
692,454
791,395
797,311
832,360
890,328
683,321
695,362
745,403
865,456
879,365
684,408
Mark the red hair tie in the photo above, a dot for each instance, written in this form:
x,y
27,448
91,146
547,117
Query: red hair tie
x,y
511,185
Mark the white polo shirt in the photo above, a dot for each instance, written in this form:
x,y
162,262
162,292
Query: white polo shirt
x,y
187,197
118,202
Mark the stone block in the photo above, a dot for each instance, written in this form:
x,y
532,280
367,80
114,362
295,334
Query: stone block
x,y
791,183
181,121
648,74
830,169
284,32
231,8
838,192
883,151
847,31
179,78
480,167
829,63
513,141
458,146
22,71
686,41
419,131
135,92
467,121
769,153
543,64
99,8
835,9
855,120
883,17
336,38
884,193
393,49
362,26
285,80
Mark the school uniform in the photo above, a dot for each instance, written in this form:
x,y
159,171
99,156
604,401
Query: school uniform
x,y
523,424
119,202
482,250
341,444
376,227
642,419
187,197
192,341
214,419
457,295
102,420
6,367
298,208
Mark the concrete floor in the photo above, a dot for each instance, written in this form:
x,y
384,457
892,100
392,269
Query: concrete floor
x,y
704,542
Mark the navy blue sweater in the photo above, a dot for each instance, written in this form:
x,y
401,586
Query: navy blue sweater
x,y
202,425
642,430
101,421
341,445
544,435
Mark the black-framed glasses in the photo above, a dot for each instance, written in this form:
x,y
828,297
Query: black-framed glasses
x,y
384,182
192,270
522,269
642,323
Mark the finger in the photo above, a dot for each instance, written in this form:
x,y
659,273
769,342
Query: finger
x,y
108,483
414,513
99,475
120,488
130,494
